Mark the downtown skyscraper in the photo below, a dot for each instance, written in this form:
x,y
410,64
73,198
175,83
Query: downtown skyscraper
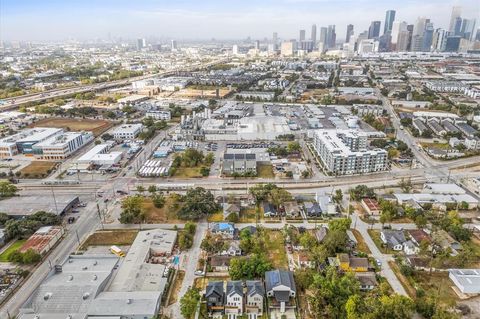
x,y
389,18
349,33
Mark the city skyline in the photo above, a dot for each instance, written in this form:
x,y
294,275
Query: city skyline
x,y
55,21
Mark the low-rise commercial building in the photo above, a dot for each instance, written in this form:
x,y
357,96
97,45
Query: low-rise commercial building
x,y
43,239
159,115
61,146
23,142
466,280
127,131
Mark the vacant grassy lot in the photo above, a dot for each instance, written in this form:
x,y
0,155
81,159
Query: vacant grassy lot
x,y
215,218
265,171
110,237
276,249
187,172
375,234
248,215
166,214
96,126
13,247
37,169
361,245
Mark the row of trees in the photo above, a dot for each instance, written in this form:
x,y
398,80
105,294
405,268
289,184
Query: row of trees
x,y
24,228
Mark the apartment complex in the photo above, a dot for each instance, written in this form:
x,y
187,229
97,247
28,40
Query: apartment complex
x,y
344,152
239,163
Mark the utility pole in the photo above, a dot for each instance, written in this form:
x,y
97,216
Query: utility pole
x,y
54,200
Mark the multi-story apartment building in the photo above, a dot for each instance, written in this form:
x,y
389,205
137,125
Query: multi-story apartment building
x,y
239,163
344,152
61,146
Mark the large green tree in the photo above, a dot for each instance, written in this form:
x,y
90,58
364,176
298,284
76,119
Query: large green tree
x,y
189,302
198,203
132,210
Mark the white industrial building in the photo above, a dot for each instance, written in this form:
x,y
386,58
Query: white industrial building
x,y
127,131
100,156
88,286
159,115
61,146
344,152
466,280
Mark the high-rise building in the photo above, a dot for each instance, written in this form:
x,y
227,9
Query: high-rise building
x,y
286,49
274,41
453,43
468,29
456,13
410,28
396,29
427,37
457,26
302,35
235,49
257,45
417,36
174,45
389,18
323,38
374,30
314,34
439,41
349,32
141,43
403,41
331,37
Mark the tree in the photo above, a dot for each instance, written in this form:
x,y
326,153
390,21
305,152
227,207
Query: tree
x,y
7,189
361,191
132,210
293,147
405,185
140,189
213,244
340,224
330,293
3,219
278,196
189,302
198,203
158,200
31,257
338,197
303,278
107,137
152,189
209,159
255,266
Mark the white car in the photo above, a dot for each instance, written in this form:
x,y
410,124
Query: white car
x,y
379,263
199,273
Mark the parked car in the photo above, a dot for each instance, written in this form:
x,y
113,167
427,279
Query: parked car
x,y
199,273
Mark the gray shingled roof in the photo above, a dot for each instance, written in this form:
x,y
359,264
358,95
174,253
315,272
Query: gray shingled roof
x,y
276,278
255,287
234,287
214,287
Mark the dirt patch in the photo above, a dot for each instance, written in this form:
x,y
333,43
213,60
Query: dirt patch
x,y
97,127
38,169
361,245
177,285
110,237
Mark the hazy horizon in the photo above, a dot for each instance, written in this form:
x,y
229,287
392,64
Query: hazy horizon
x,y
56,20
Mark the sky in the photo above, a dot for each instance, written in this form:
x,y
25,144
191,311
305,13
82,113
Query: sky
x,y
57,20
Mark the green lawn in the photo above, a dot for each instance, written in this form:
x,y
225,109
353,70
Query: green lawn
x,y
188,172
276,249
14,247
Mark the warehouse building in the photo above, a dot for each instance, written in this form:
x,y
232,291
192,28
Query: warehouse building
x,y
100,156
26,205
344,152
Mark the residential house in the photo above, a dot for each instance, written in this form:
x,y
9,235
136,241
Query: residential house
x,y
226,230
418,263
409,248
280,287
394,239
229,209
371,206
214,296
320,233
254,299
234,299
305,261
367,280
220,263
292,209
419,235
268,210
443,240
312,209
355,264
233,249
